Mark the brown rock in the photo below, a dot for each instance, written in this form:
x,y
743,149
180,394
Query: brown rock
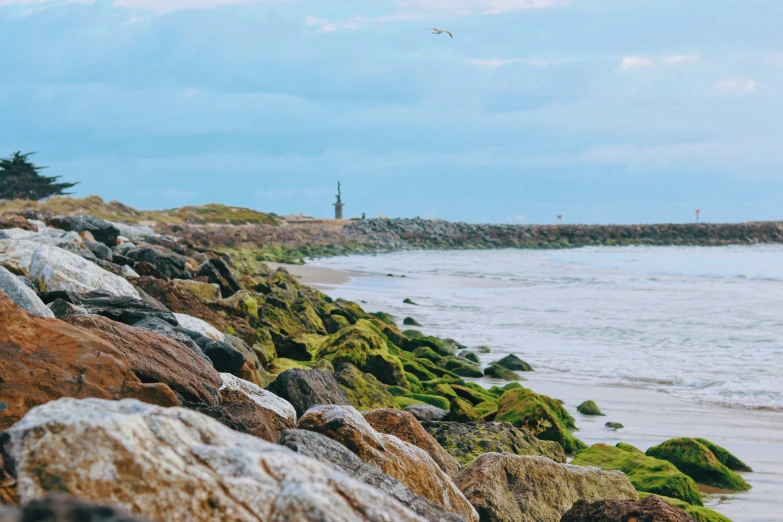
x,y
410,465
59,508
176,299
651,509
154,358
405,427
242,414
513,488
13,221
45,359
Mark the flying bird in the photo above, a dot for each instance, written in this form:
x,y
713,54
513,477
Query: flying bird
x,y
435,30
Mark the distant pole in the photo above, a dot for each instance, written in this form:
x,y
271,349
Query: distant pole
x,y
338,206
698,216
560,219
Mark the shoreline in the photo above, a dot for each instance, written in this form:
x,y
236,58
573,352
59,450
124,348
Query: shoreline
x,y
650,416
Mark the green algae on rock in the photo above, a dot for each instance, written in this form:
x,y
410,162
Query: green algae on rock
x,y
725,457
589,408
647,474
471,356
424,398
410,321
498,372
543,416
463,368
469,441
363,390
408,300
698,462
512,362
461,410
698,513
614,426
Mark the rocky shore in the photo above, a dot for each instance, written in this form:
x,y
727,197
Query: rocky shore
x,y
150,376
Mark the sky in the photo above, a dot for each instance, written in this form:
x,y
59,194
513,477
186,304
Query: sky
x,y
602,111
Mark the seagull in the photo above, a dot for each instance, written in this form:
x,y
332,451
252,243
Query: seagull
x,y
435,30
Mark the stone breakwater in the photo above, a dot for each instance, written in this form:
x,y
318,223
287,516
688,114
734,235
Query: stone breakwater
x,y
425,234
142,378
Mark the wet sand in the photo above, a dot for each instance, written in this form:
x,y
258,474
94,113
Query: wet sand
x,y
649,416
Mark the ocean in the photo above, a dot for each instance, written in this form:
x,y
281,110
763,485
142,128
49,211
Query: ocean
x,y
702,324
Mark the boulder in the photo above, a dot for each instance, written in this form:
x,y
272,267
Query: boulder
x,y
589,408
204,292
498,372
10,221
362,346
16,233
100,229
23,296
224,357
307,388
53,268
405,427
647,474
412,466
543,416
17,254
169,264
513,488
410,321
175,464
267,400
334,454
461,410
651,509
216,271
133,232
154,358
427,412
161,327
725,457
514,363
99,250
44,359
199,325
698,462
362,390
60,508
466,442
123,309
178,300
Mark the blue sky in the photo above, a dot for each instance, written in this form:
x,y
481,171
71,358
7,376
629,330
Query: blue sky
x,y
600,110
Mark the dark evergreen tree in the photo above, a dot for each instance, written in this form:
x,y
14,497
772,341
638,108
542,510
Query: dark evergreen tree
x,y
21,179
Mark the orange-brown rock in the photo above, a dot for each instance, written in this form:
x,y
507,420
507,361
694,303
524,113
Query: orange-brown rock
x,y
44,359
14,221
651,509
154,358
409,464
405,427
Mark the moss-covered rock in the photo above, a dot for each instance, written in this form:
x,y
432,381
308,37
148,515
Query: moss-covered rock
x,y
589,408
471,356
498,372
698,513
543,416
403,402
725,457
483,349
425,398
425,352
362,346
498,391
468,441
698,462
410,321
437,345
614,426
473,395
383,316
461,410
408,300
512,362
463,368
363,390
420,372
413,383
647,474
627,447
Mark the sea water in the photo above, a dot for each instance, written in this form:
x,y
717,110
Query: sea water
x,y
703,324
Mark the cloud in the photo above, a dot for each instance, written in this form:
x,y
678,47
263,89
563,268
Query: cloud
x,y
496,63
735,86
465,7
356,22
158,6
636,62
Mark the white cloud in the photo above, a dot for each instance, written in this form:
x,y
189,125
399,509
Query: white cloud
x,y
158,6
463,7
328,26
735,86
636,62
496,63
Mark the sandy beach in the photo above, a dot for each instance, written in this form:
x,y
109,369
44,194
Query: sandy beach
x,y
649,416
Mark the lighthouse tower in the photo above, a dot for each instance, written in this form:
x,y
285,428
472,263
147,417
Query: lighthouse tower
x,y
338,206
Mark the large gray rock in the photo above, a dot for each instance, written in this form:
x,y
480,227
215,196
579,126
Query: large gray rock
x,y
53,268
334,454
307,388
133,232
16,255
22,295
100,229
58,508
265,399
175,464
427,412
126,310
512,488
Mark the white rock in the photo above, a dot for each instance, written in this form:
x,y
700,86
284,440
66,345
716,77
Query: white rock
x,y
53,268
173,464
133,232
260,396
129,272
16,233
16,255
200,326
22,295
